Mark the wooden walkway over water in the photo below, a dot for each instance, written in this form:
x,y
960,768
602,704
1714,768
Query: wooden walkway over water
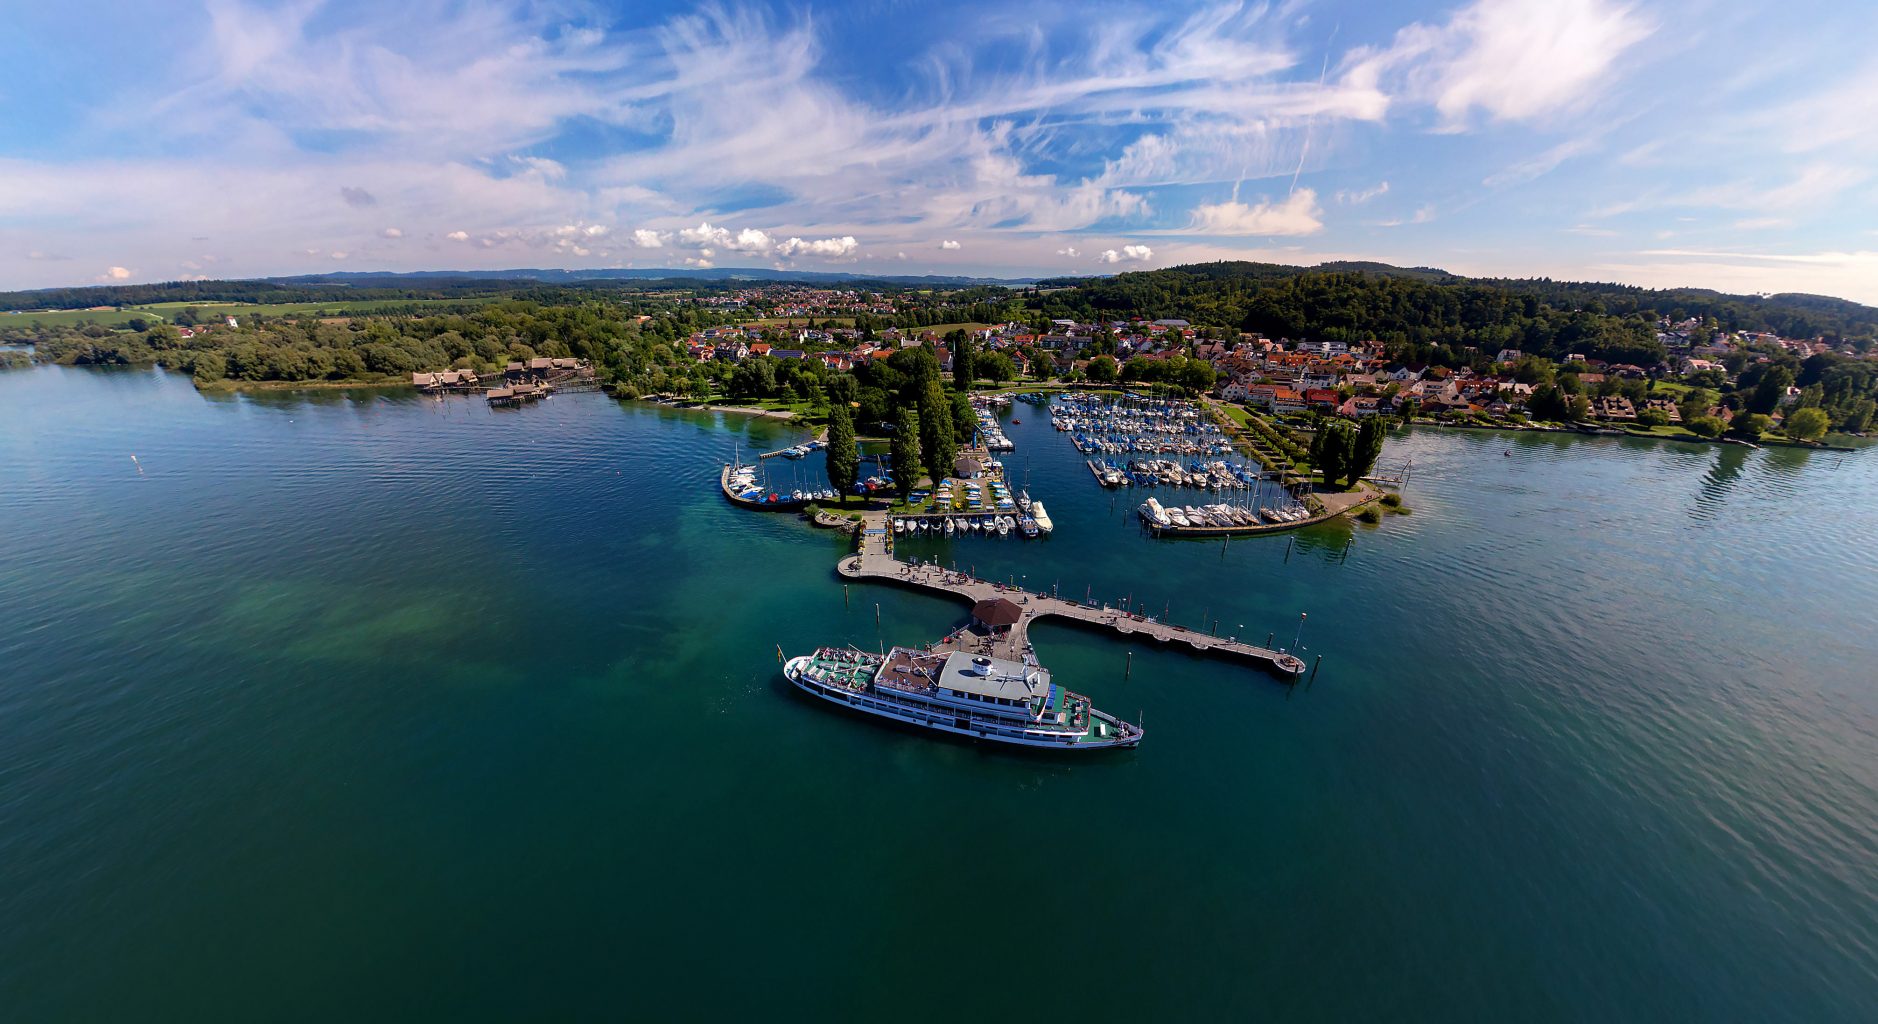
x,y
874,561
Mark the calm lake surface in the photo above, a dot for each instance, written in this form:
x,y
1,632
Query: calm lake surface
x,y
368,706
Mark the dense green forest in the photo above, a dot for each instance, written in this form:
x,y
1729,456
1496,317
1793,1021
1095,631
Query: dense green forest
x,y
1429,310
384,347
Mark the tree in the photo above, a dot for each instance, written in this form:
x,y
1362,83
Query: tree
x,y
903,452
1333,451
844,456
1653,418
938,444
1366,450
964,369
1707,426
1808,424
1771,389
997,367
1549,403
964,417
1750,425
1696,403
1860,416
1103,369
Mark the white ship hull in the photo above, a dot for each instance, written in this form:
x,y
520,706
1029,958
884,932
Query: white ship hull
x,y
1119,734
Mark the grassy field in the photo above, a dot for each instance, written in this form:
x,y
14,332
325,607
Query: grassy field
x,y
71,317
338,308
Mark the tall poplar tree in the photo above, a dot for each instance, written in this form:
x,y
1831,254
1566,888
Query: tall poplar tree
x,y
963,362
1366,448
904,451
938,444
844,455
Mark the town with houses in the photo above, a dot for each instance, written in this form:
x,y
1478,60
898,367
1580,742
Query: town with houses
x,y
1281,376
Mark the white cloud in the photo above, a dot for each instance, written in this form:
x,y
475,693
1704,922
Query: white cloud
x,y
458,236
1422,215
542,167
646,238
1539,164
826,248
949,244
115,274
698,262
1513,59
391,233
1298,214
1127,254
751,240
339,254
1069,251
1361,196
704,234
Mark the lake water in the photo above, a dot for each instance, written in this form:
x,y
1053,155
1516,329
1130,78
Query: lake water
x,y
366,705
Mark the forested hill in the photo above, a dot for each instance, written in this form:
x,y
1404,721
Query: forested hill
x,y
543,285
1424,307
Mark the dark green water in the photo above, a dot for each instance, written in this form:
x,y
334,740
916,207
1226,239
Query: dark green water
x,y
367,706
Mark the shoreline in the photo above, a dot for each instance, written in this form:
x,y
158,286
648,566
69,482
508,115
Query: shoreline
x,y
1512,428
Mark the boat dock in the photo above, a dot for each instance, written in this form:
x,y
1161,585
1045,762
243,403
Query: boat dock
x,y
875,561
1330,506
784,502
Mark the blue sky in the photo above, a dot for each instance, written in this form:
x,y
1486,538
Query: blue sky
x,y
1720,144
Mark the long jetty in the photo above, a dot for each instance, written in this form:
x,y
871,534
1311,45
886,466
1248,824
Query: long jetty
x,y
874,561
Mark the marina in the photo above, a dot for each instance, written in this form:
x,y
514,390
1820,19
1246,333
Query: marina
x,y
748,486
1178,447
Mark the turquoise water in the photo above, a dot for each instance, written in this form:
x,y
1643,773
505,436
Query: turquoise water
x,y
369,705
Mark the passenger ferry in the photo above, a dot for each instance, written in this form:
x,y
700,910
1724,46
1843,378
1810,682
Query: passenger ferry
x,y
956,692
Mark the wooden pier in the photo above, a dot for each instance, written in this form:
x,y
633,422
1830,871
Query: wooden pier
x,y
875,561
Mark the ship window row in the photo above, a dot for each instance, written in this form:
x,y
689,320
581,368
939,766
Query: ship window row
x,y
1006,701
